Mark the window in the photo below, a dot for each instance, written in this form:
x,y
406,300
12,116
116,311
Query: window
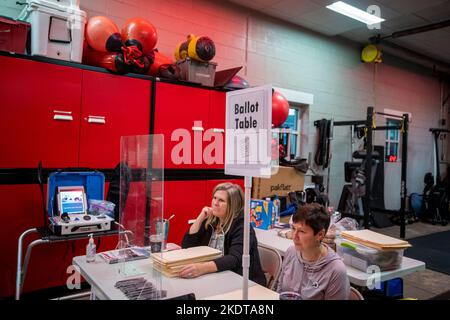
x,y
293,123
296,124
392,150
293,130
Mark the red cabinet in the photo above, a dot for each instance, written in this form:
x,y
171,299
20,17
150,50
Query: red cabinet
x,y
53,114
66,116
215,148
40,114
193,122
22,210
112,106
185,199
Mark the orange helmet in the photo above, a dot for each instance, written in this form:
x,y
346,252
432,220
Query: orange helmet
x,y
103,35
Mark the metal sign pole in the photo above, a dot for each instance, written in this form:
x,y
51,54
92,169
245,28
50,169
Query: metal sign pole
x,y
248,150
245,255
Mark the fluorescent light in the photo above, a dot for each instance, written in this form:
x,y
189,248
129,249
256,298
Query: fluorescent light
x,y
355,13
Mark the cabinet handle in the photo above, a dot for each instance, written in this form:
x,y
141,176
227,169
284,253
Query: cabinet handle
x,y
198,129
97,119
62,115
218,130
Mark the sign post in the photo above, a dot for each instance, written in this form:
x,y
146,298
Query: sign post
x,y
248,149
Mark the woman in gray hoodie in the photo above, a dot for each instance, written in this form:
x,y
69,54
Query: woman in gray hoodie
x,y
310,267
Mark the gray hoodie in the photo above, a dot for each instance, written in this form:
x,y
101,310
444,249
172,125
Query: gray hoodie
x,y
325,279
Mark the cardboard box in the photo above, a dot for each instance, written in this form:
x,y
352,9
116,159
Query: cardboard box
x,y
286,180
197,71
262,214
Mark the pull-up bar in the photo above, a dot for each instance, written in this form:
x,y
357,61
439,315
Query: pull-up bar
x,y
438,130
389,115
349,123
387,128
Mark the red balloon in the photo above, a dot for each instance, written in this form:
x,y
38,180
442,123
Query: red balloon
x,y
280,109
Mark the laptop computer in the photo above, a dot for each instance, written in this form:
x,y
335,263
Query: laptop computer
x,y
222,77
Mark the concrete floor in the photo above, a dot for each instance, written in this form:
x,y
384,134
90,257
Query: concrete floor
x,y
424,284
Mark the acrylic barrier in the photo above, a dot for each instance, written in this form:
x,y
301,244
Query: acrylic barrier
x,y
141,214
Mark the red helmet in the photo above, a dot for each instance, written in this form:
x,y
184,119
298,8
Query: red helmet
x,y
141,33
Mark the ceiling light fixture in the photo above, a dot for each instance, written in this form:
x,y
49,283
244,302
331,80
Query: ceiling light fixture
x,y
354,13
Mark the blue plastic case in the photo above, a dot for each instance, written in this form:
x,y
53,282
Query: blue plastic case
x,y
92,181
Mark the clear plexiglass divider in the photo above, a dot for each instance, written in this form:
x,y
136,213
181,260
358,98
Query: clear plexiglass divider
x,y
140,216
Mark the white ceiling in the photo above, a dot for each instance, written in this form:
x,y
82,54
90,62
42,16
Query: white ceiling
x,y
399,15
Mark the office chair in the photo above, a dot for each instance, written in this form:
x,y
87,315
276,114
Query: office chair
x,y
271,265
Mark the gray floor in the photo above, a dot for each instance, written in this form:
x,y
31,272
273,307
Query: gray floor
x,y
424,284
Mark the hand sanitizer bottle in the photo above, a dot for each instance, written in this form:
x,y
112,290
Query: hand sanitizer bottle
x,y
91,249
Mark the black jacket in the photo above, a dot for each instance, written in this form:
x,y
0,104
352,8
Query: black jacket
x,y
233,248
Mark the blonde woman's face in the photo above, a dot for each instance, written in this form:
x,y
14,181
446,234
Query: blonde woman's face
x,y
219,204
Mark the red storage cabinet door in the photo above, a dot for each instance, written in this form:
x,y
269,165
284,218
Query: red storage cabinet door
x,y
22,209
186,109
185,199
112,106
215,147
39,114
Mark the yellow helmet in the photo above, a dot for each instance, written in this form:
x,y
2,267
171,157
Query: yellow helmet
x,y
371,53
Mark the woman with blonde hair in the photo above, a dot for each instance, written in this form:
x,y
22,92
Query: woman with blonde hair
x,y
221,226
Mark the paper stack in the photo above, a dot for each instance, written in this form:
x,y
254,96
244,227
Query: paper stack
x,y
375,240
169,263
126,254
254,293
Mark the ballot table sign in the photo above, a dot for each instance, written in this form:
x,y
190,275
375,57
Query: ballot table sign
x,y
249,132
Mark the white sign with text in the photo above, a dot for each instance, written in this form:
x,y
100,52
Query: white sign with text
x,y
248,132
